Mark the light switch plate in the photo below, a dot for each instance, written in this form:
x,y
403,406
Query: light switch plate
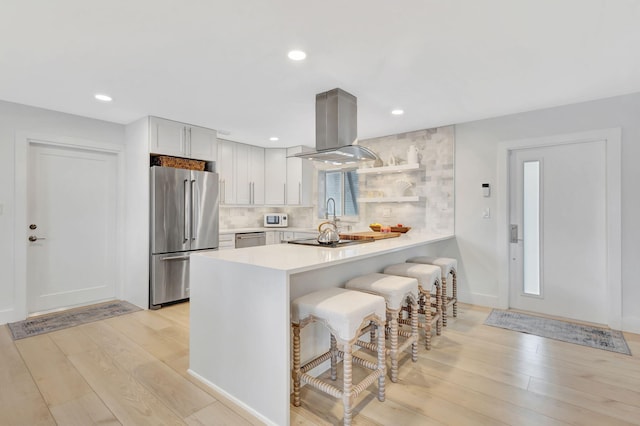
x,y
486,213
386,212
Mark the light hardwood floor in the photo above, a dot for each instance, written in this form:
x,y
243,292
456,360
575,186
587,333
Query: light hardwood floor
x,y
131,370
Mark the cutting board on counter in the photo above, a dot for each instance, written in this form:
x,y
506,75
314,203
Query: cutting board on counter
x,y
369,235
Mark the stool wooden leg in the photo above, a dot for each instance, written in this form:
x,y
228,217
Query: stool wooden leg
x,y
296,365
439,308
334,357
393,350
414,330
426,300
382,366
455,293
444,301
347,384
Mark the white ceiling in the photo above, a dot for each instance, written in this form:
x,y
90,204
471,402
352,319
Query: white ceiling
x,y
224,65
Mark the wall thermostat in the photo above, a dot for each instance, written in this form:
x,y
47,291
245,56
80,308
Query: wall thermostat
x,y
486,190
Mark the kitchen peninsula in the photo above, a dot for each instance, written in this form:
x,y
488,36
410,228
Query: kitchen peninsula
x,y
240,324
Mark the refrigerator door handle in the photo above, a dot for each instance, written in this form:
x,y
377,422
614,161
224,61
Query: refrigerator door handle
x,y
175,258
195,208
187,213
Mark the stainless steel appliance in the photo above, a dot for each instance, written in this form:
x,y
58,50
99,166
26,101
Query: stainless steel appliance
x,y
276,220
337,131
184,219
250,239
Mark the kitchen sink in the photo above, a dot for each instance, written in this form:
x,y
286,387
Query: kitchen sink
x,y
340,243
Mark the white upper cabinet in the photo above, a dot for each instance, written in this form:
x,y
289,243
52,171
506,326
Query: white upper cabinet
x,y
169,137
249,174
225,167
275,178
299,178
203,143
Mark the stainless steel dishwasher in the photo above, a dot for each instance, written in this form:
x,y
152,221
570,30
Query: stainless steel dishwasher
x,y
251,239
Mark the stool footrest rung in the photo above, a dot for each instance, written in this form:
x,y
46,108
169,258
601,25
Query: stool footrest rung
x,y
365,383
367,345
316,362
321,385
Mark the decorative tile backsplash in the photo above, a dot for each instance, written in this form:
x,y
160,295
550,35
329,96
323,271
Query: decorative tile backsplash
x,y
233,217
433,182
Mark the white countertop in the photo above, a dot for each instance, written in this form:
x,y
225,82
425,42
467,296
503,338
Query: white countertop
x,y
294,258
262,229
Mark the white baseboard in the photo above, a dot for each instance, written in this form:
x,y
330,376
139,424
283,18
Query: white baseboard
x,y
233,399
631,324
479,299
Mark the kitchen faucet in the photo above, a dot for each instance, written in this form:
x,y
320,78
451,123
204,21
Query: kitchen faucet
x,y
326,214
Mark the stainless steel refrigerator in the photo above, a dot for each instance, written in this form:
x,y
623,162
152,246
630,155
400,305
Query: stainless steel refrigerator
x,y
184,219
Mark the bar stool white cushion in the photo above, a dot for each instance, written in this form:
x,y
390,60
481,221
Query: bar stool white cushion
x,y
342,311
427,275
446,264
393,288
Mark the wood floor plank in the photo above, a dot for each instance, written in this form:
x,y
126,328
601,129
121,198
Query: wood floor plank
x,y
86,410
21,403
152,341
176,392
602,405
55,376
131,402
216,414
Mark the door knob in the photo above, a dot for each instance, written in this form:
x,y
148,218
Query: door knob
x,y
33,238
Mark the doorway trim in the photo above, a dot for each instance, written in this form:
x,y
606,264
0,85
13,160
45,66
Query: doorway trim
x,y
22,143
612,138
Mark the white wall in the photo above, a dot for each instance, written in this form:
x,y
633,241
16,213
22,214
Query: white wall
x,y
476,163
18,119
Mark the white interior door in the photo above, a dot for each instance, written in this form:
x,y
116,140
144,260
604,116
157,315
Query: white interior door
x,y
72,211
558,241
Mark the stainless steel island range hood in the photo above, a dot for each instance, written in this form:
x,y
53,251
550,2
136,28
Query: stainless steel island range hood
x,y
337,130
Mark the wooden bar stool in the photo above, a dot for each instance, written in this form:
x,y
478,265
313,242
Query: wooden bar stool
x,y
428,276
347,314
448,267
397,292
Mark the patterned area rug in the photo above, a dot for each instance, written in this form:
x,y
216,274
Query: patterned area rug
x,y
59,320
595,337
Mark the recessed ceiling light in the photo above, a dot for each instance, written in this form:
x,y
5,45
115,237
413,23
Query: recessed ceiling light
x,y
102,97
224,132
397,112
274,138
297,55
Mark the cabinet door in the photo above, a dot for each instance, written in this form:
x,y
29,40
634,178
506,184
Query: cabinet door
x,y
256,174
167,137
276,177
241,174
299,178
271,237
225,165
202,143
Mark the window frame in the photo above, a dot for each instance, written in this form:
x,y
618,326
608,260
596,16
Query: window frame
x,y
322,190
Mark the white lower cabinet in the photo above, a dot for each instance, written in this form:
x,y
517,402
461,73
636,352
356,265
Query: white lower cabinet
x,y
273,237
226,241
